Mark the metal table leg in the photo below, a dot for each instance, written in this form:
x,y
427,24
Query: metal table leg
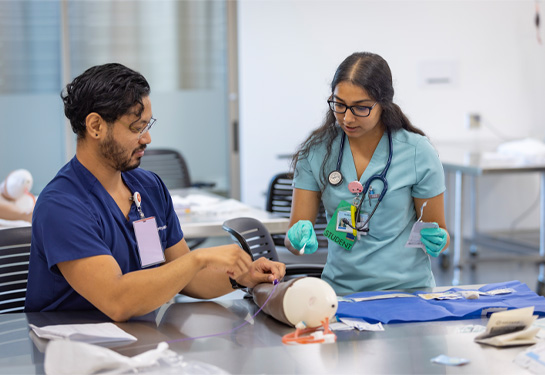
x,y
473,215
444,257
540,279
458,240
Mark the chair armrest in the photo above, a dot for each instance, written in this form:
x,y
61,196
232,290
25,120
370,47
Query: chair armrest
x,y
310,269
203,184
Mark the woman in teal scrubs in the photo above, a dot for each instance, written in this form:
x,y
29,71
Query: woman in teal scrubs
x,y
367,234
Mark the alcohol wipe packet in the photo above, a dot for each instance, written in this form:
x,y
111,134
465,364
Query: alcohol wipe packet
x,y
449,361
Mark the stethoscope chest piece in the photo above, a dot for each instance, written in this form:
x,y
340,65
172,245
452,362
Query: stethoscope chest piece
x,y
335,178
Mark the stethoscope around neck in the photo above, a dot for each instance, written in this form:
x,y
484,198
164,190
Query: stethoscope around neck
x,y
335,178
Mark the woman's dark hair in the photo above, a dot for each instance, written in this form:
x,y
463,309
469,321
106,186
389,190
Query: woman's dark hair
x,y
372,73
111,90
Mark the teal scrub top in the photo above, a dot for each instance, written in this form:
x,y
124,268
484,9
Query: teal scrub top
x,y
378,260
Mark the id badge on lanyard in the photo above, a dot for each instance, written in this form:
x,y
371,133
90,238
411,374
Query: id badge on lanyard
x,y
148,242
336,231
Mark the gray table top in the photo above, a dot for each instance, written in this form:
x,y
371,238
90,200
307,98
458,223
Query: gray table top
x,y
208,222
477,158
257,348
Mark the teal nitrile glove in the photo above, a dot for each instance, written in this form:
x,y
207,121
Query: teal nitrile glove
x,y
302,234
434,239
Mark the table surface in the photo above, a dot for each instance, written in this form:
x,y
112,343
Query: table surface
x,y
208,222
401,348
481,157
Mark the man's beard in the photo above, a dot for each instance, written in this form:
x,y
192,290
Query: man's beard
x,y
117,155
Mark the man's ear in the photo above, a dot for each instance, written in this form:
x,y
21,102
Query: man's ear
x,y
95,125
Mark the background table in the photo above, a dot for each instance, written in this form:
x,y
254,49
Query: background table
x,y
469,161
257,349
209,223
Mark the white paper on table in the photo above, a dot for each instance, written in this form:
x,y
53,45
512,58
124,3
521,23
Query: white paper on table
x,y
540,323
224,207
206,205
532,358
510,328
528,150
471,328
90,333
524,337
192,200
64,357
362,325
381,296
338,326
13,223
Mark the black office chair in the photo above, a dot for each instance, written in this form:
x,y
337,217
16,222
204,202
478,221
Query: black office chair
x,y
256,240
279,196
171,166
14,257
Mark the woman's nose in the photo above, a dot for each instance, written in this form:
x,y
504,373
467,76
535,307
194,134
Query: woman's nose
x,y
349,116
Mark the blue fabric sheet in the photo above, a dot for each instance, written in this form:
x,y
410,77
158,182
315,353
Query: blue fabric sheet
x,y
417,309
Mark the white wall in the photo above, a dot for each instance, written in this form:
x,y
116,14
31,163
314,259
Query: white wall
x,y
289,50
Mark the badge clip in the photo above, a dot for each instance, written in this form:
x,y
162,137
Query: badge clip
x,y
137,199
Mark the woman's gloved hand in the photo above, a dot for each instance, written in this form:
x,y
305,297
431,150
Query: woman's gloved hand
x,y
302,234
434,239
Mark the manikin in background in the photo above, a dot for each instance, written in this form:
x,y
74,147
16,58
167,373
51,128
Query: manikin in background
x,y
16,201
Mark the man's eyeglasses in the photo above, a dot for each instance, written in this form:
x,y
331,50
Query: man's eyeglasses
x,y
145,129
357,110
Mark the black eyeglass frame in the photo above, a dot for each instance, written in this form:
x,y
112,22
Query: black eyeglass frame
x,y
332,103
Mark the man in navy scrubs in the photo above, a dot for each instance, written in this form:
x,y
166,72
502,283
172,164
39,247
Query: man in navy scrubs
x,y
85,253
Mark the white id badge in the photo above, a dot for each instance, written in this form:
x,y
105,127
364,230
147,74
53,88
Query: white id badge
x,y
341,225
149,243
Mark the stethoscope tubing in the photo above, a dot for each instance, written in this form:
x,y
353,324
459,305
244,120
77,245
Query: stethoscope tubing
x,y
381,176
341,151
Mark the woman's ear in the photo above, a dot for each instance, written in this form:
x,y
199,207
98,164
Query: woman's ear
x,y
95,125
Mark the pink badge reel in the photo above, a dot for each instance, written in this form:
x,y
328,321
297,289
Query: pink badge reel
x,y
355,187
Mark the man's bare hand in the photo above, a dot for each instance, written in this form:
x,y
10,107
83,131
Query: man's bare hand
x,y
230,259
262,271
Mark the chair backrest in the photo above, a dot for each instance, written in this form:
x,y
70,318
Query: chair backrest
x,y
252,236
279,196
256,240
14,257
168,164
